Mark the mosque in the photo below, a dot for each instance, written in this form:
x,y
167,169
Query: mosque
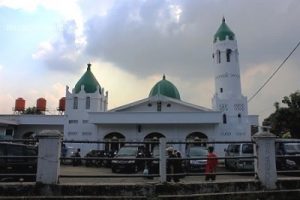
x,y
161,114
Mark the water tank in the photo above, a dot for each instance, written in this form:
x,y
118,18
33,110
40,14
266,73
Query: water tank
x,y
41,104
20,104
62,104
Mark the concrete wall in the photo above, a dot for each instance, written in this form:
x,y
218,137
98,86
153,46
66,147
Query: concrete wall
x,y
246,190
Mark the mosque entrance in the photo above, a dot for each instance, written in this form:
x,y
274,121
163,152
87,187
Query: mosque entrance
x,y
152,137
114,141
198,139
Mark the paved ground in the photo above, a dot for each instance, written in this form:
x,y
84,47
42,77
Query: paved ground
x,y
82,170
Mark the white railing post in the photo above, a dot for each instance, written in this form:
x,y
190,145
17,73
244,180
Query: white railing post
x,y
162,160
266,158
48,156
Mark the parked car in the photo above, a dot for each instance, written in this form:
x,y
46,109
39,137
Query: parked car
x,y
239,150
128,152
95,154
18,165
286,148
68,152
196,152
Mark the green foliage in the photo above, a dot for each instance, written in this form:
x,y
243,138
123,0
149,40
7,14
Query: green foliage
x,y
32,111
286,119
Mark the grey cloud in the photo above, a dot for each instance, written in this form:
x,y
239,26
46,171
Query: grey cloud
x,y
143,39
64,54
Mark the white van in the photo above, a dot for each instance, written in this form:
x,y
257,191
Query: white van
x,y
239,150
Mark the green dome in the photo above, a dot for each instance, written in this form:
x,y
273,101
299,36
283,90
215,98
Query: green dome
x,y
166,88
89,81
224,31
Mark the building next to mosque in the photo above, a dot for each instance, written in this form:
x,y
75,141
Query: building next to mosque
x,y
161,114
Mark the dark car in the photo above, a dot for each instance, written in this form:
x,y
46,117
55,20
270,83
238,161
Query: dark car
x,y
127,153
24,166
95,162
288,154
196,152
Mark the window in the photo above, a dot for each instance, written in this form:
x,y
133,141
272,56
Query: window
x,y
72,133
218,56
159,106
73,121
224,119
86,133
85,121
228,54
75,103
221,90
88,103
9,132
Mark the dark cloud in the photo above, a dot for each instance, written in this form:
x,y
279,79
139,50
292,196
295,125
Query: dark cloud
x,y
144,38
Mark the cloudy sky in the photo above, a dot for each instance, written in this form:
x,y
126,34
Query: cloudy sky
x,y
46,44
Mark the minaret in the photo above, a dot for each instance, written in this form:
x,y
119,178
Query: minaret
x,y
228,96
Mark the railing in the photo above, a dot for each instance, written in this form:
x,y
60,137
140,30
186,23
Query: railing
x,y
265,158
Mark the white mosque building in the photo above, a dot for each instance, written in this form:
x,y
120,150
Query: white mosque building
x,y
161,114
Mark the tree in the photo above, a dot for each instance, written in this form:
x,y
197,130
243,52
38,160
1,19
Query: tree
x,y
286,119
32,111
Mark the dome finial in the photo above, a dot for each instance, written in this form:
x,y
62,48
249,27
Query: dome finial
x,y
89,66
164,77
223,20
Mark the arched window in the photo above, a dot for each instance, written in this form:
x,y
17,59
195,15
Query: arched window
x,y
88,103
75,103
224,119
159,106
228,54
218,56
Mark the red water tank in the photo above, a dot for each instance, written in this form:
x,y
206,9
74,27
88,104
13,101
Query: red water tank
x,y
20,104
41,104
62,104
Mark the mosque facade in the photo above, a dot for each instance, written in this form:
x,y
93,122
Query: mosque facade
x,y
161,114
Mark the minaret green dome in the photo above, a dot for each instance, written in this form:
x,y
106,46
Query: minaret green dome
x,y
89,82
224,31
165,88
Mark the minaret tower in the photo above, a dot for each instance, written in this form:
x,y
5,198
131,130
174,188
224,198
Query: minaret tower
x,y
228,96
87,96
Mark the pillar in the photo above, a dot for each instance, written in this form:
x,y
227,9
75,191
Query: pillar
x,y
48,168
162,160
265,164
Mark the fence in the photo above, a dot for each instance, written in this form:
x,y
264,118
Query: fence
x,y
49,156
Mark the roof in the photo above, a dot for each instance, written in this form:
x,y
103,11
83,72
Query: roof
x,y
89,82
165,88
160,98
223,32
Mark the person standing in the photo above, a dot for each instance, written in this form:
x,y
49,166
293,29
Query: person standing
x,y
211,166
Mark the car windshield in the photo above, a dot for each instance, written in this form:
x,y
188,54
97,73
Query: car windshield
x,y
292,147
247,148
128,151
198,152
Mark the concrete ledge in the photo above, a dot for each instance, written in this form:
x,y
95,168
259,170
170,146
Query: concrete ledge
x,y
286,189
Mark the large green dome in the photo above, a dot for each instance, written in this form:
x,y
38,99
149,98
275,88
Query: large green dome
x,y
89,82
224,31
166,88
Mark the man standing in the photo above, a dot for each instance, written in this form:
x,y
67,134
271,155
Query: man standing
x,y
212,162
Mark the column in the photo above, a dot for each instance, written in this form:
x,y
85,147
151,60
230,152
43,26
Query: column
x,y
48,168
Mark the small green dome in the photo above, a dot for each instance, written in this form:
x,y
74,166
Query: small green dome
x,y
224,31
89,82
166,88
